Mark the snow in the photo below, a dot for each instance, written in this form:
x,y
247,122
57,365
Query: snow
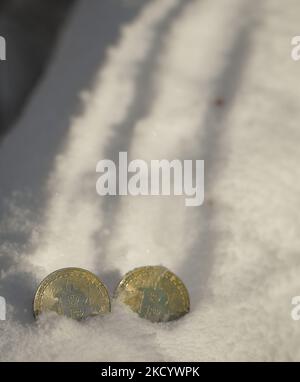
x,y
200,79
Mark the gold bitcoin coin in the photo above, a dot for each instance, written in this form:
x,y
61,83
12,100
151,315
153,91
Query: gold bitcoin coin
x,y
154,293
72,292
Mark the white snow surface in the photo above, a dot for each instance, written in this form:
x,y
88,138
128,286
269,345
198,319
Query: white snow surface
x,y
187,79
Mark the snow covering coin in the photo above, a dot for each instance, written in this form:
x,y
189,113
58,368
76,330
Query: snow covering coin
x,y
72,292
154,293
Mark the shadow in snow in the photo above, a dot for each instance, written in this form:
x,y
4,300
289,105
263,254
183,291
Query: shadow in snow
x,y
144,97
27,154
196,269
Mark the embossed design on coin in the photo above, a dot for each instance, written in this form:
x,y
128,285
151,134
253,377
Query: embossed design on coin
x,y
72,292
154,293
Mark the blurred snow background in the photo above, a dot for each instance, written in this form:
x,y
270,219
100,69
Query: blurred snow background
x,y
190,79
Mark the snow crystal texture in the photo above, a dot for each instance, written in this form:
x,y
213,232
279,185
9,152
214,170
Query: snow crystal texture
x,y
186,79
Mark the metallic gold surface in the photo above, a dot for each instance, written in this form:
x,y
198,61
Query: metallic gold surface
x,y
154,293
72,292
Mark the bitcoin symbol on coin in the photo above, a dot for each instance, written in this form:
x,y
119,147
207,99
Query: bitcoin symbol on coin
x,y
72,292
154,293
